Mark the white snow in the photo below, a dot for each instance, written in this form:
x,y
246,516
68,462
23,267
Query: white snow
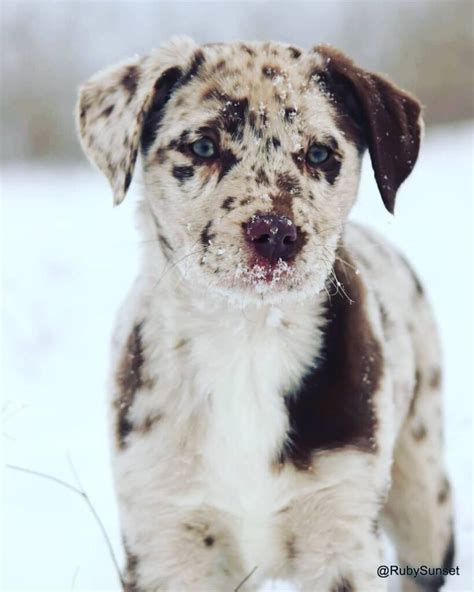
x,y
69,258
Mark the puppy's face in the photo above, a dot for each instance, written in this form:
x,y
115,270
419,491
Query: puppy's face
x,y
251,171
251,156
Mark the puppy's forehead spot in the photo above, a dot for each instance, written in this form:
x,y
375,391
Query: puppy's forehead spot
x,y
261,72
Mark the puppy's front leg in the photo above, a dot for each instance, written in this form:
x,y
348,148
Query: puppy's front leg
x,y
352,568
173,550
333,531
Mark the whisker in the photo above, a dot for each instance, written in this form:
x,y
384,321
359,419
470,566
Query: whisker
x,y
173,264
344,262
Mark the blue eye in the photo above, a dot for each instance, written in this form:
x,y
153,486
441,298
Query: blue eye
x,y
317,154
204,148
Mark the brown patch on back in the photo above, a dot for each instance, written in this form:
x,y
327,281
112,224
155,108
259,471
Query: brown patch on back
x,y
334,406
128,380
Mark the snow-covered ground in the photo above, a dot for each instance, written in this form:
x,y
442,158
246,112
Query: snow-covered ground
x,y
68,261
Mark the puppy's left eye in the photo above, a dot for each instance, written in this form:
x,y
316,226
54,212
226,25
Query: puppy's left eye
x,y
317,154
204,148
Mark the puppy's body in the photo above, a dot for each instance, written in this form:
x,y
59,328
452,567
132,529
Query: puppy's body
x,y
258,405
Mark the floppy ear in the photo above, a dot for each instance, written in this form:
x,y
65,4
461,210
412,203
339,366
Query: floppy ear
x,y
389,118
114,104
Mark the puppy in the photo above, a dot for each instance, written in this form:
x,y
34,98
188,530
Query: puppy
x,y
275,384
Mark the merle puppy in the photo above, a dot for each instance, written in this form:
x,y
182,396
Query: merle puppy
x,y
275,384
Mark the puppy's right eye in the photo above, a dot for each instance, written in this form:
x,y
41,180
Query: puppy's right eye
x,y
204,148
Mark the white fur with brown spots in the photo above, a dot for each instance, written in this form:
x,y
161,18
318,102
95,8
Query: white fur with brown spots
x,y
266,415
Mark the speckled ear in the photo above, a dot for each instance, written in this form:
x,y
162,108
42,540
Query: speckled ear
x,y
114,103
390,118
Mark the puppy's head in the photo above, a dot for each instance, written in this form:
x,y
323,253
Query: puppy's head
x,y
251,154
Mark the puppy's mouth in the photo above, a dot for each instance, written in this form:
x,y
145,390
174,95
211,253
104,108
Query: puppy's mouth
x,y
260,269
262,275
246,277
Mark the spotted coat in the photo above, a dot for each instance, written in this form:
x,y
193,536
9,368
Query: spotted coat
x,y
266,417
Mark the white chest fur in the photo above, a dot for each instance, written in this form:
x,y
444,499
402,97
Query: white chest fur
x,y
240,364
220,378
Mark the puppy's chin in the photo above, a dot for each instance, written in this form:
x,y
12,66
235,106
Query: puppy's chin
x,y
257,285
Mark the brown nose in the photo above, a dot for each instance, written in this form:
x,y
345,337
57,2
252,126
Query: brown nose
x,y
272,237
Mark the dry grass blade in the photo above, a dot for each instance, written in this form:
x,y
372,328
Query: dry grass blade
x,y
247,577
85,497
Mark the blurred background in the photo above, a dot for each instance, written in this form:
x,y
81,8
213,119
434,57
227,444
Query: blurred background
x,y
68,258
48,48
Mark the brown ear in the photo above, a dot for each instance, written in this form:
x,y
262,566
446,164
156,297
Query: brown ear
x,y
390,118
